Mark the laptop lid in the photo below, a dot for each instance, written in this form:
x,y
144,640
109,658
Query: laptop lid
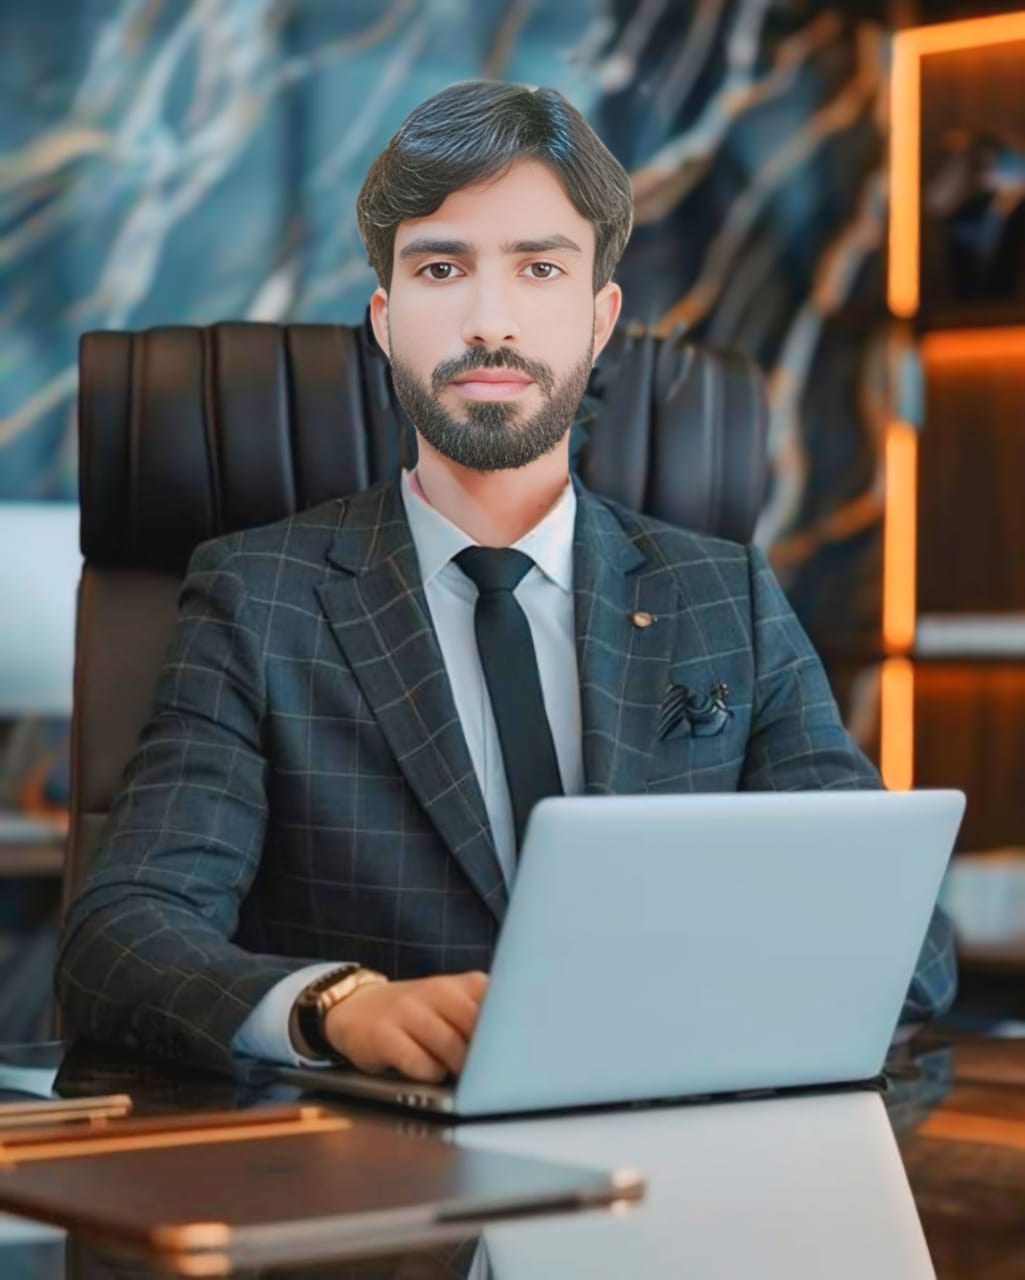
x,y
664,946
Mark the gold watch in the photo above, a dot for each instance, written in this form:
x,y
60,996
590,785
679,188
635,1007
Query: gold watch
x,y
314,1002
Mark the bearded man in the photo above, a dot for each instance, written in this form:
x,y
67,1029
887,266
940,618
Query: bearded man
x,y
314,845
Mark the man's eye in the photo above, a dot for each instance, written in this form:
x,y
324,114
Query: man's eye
x,y
544,270
439,270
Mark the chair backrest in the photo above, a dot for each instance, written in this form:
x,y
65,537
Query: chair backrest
x,y
186,433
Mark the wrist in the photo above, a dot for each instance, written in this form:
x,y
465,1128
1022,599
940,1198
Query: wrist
x,y
309,1014
339,1019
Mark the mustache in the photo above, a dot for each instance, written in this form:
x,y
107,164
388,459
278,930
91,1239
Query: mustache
x,y
503,358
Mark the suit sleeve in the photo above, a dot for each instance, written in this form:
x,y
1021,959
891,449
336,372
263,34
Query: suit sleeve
x,y
798,742
265,1032
146,958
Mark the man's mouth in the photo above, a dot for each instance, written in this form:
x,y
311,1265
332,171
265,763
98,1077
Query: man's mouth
x,y
492,384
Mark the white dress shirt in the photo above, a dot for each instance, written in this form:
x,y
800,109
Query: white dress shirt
x,y
546,596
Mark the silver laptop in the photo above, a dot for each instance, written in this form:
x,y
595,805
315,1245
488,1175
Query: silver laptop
x,y
662,947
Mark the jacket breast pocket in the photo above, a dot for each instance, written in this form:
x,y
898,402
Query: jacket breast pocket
x,y
684,761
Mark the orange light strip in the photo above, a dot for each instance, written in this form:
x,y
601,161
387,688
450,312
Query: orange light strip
x,y
975,344
897,724
909,47
900,531
897,685
905,124
967,33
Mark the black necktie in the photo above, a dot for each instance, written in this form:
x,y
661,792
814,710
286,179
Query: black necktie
x,y
510,672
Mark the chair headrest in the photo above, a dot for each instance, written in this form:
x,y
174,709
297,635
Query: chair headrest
x,y
189,432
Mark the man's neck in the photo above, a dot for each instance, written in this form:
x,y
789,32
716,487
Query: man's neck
x,y
496,508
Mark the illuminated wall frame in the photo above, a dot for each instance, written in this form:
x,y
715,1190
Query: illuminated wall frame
x,y
909,47
903,286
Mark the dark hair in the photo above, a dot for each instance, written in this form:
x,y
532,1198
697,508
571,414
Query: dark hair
x,y
473,131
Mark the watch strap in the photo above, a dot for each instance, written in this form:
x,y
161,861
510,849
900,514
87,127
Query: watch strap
x,y
309,1021
317,1000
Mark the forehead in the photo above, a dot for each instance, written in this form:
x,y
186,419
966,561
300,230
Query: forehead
x,y
526,202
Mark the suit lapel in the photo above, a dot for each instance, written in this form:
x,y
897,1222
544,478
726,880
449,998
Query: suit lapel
x,y
379,616
623,667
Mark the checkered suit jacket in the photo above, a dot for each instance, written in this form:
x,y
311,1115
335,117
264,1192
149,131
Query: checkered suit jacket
x,y
303,790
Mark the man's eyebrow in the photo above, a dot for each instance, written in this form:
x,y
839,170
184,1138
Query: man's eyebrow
x,y
544,245
463,248
425,245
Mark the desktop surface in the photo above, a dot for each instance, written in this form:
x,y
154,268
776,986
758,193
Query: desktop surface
x,y
924,1180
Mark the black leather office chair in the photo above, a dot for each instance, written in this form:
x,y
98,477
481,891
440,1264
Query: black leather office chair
x,y
187,433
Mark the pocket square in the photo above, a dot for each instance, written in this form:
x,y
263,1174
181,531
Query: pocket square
x,y
686,713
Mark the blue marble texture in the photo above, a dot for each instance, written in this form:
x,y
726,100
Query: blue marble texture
x,y
191,160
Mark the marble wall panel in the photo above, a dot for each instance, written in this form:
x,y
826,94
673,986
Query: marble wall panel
x,y
168,160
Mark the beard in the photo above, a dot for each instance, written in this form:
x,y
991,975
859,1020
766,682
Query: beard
x,y
492,436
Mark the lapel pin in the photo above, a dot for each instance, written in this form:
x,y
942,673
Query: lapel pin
x,y
643,619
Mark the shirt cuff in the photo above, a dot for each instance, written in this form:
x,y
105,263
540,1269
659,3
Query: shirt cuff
x,y
264,1034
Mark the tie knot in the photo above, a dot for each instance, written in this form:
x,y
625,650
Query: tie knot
x,y
494,568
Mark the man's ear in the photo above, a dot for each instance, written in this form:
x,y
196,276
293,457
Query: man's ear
x,y
379,319
608,303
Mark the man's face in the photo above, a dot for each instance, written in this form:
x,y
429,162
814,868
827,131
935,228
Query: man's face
x,y
491,320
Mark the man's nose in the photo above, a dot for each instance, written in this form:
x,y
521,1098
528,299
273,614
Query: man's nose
x,y
490,319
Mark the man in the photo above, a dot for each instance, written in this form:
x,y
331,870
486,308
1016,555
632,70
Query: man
x,y
313,848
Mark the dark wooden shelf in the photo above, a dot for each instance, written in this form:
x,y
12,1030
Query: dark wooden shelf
x,y
35,858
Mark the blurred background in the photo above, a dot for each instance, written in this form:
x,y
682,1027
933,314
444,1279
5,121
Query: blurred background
x,y
836,189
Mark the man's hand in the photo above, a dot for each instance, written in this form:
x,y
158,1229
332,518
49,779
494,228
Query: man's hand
x,y
420,1028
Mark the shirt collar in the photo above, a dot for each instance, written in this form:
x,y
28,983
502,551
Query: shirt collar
x,y
549,544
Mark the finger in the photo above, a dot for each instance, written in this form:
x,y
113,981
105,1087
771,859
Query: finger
x,y
453,1003
406,1056
475,983
436,1036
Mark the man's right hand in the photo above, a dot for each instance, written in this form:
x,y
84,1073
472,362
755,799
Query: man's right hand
x,y
420,1028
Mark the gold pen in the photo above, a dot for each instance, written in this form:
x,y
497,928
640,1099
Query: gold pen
x,y
176,1130
43,1111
